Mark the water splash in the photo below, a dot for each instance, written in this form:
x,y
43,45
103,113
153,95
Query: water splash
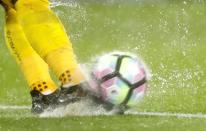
x,y
67,4
84,107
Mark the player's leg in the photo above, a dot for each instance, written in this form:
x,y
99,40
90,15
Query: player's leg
x,y
48,37
43,89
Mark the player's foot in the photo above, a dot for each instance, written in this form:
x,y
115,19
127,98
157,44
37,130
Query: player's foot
x,y
41,102
71,94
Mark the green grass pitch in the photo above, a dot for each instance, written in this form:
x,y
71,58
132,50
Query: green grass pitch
x,y
169,36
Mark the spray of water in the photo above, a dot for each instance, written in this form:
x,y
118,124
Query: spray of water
x,y
171,75
84,107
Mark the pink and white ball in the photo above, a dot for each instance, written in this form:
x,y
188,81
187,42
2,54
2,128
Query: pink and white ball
x,y
119,78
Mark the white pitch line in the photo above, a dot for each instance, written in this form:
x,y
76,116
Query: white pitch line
x,y
168,114
10,107
157,114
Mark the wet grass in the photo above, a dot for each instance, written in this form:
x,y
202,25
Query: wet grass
x,y
170,38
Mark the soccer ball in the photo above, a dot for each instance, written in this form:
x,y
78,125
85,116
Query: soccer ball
x,y
119,79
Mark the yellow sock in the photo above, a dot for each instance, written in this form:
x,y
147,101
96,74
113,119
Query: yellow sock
x,y
62,61
48,37
34,68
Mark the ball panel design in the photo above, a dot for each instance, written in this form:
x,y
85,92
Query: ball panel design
x,y
114,90
131,70
113,82
105,66
137,95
